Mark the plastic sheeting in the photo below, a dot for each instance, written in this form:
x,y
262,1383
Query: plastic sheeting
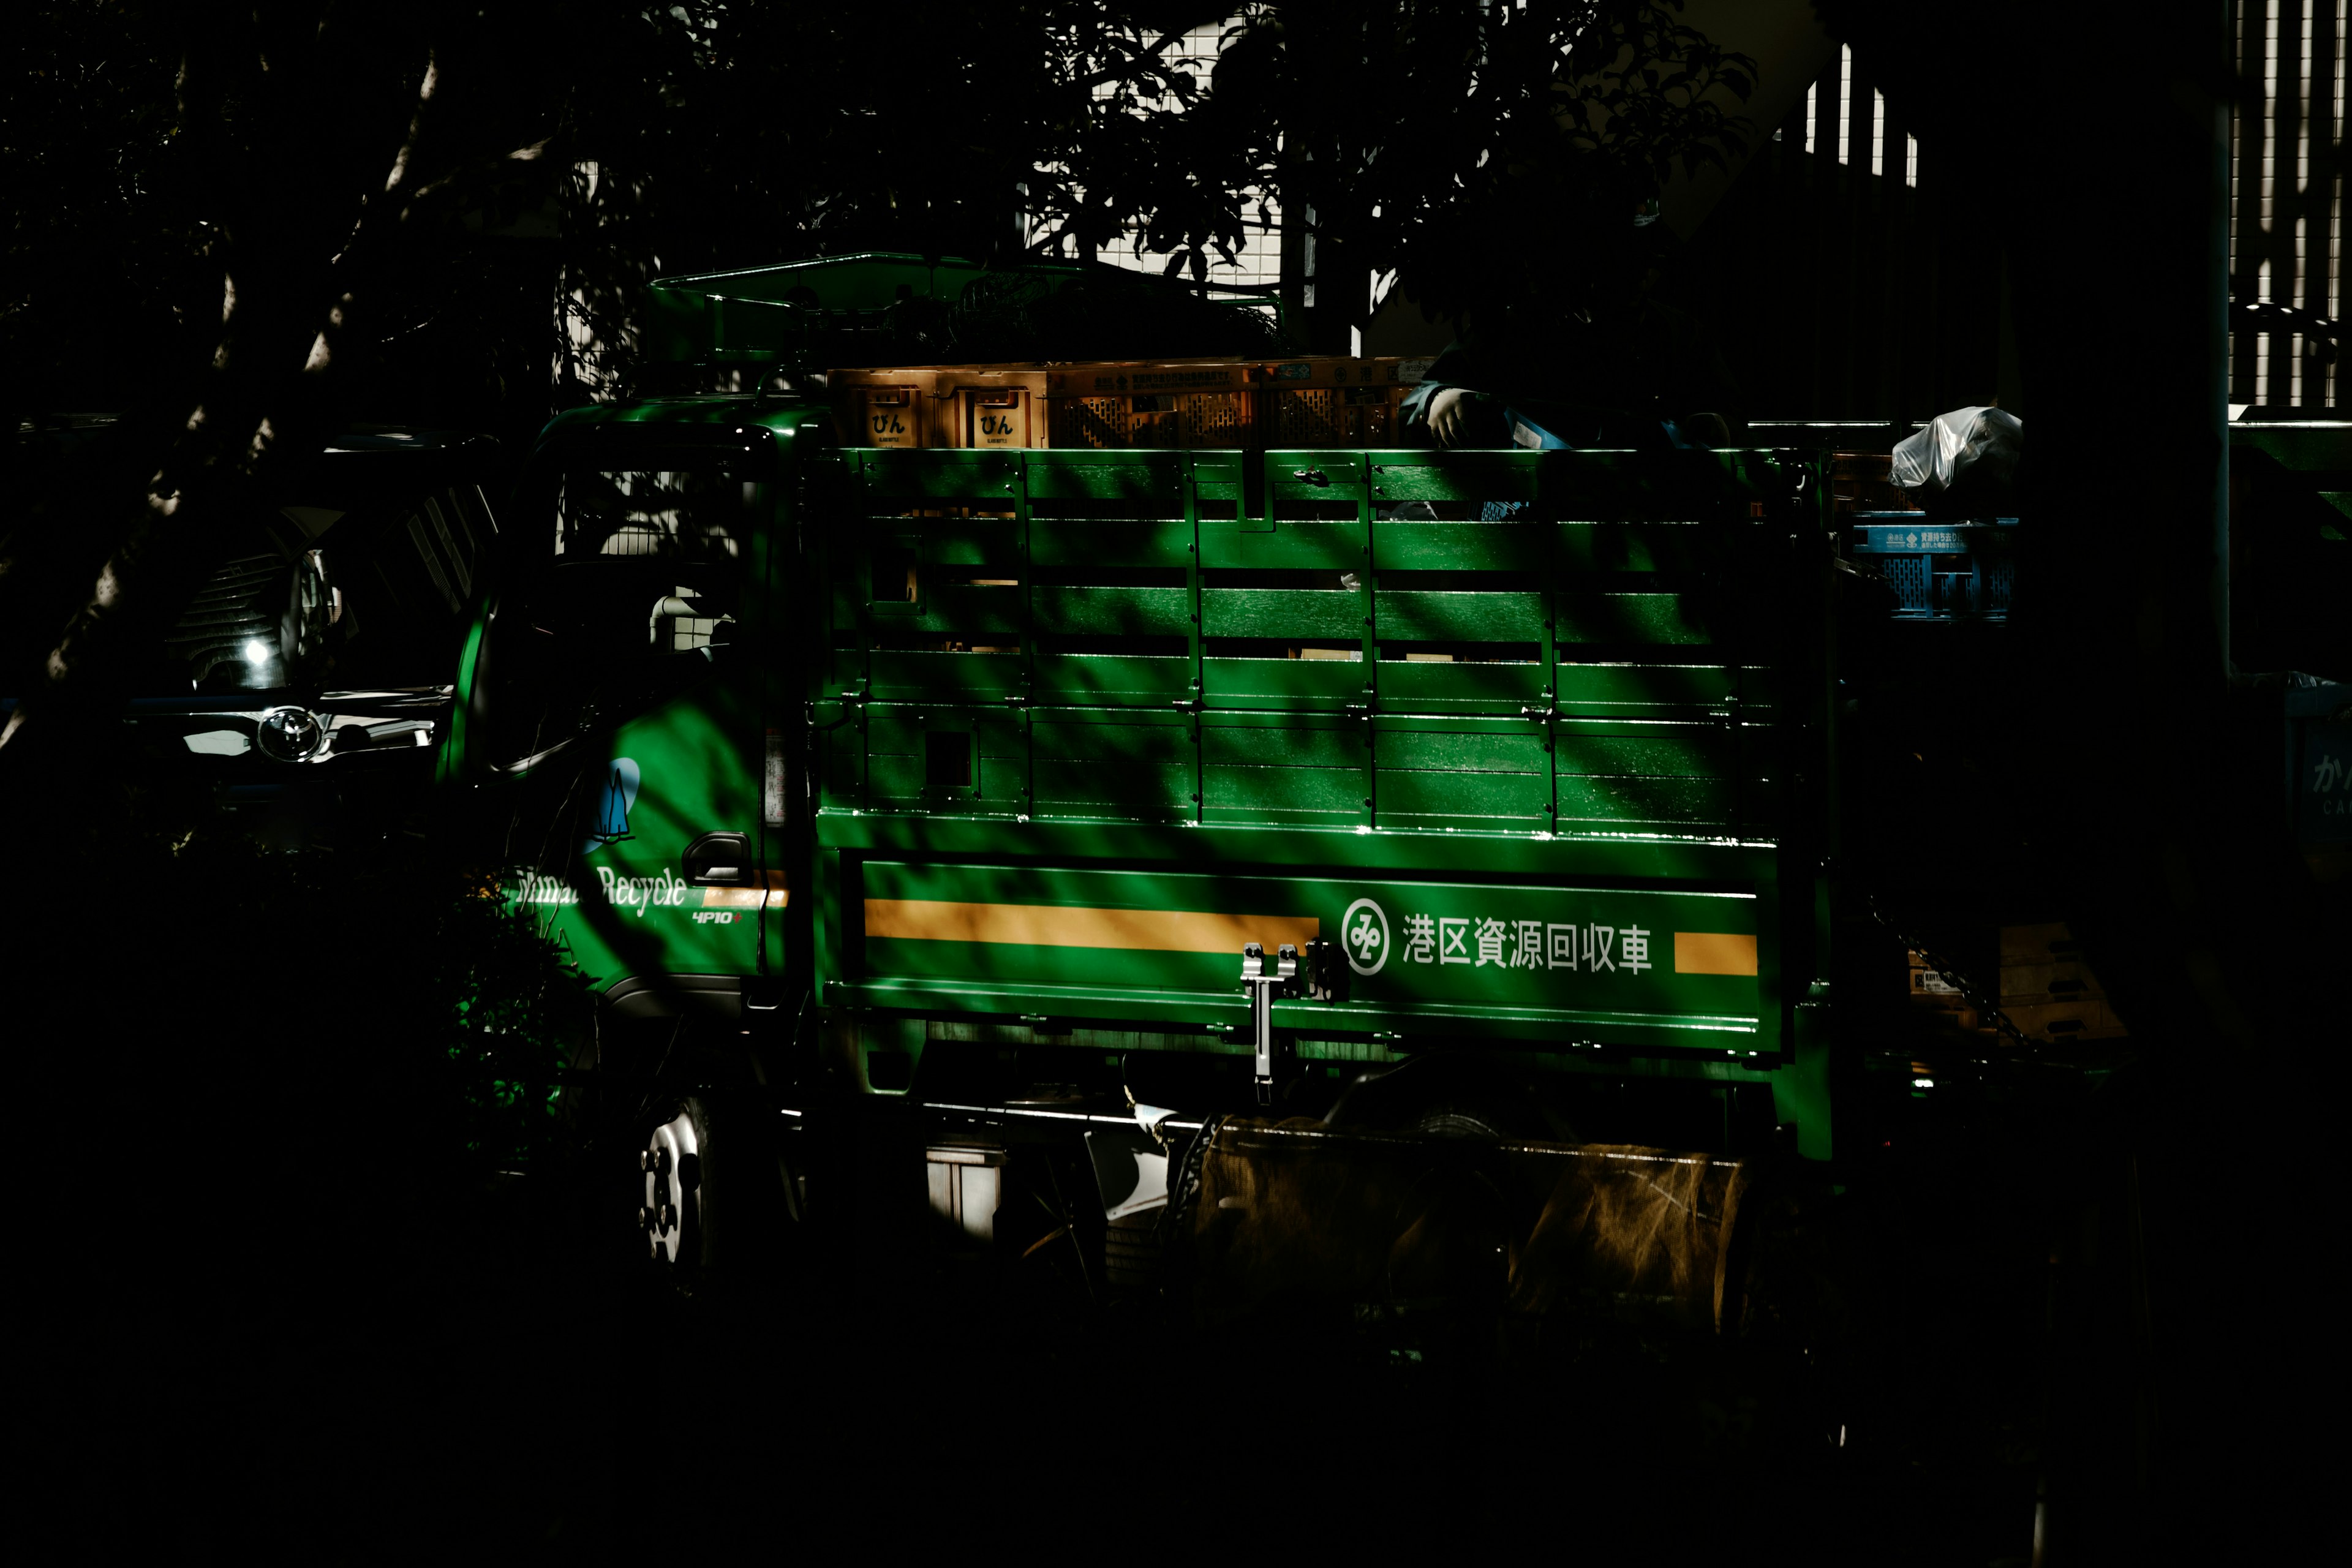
x,y
1635,1232
1967,463
1297,1211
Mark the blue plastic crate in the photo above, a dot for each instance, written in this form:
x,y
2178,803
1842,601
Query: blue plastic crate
x,y
1940,571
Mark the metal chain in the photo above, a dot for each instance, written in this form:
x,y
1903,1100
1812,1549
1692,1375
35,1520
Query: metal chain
x,y
1950,973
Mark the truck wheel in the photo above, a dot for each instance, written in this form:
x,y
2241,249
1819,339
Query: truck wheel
x,y
669,1209
712,1194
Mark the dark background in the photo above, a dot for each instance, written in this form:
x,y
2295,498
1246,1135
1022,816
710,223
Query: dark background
x,y
256,1321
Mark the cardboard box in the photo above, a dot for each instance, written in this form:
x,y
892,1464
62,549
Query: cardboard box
x,y
2068,979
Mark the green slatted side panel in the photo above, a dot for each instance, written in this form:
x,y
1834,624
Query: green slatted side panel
x,y
1461,604
1112,572
1494,588
1112,765
1489,641
1455,773
928,620
1284,611
1296,769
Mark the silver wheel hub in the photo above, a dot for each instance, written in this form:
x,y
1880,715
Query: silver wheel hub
x,y
670,1165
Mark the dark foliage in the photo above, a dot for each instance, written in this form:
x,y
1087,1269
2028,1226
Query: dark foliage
x,y
1482,153
243,226
296,1103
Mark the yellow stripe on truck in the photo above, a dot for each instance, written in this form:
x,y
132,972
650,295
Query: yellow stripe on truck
x,y
1050,925
775,896
1714,952
746,898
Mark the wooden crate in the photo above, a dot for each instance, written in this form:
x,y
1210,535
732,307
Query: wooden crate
x,y
1319,401
1119,405
941,405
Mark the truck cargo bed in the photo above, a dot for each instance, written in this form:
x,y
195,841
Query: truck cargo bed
x,y
1524,736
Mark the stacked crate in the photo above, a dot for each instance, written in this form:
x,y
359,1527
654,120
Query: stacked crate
x,y
2048,991
924,407
1316,402
1182,404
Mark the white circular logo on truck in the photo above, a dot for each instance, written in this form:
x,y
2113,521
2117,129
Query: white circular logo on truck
x,y
1364,932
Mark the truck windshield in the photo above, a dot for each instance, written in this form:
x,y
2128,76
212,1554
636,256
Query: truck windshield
x,y
636,597
693,512
369,592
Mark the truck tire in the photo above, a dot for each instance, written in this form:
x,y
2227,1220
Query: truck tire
x,y
713,1192
1448,1267
1446,1096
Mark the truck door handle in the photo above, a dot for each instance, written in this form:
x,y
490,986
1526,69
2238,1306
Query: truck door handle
x,y
718,860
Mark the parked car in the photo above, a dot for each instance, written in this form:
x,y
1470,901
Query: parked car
x,y
308,682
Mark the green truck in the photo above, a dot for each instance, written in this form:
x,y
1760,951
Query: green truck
x,y
908,774
944,824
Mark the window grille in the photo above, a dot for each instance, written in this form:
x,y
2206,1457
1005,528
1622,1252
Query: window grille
x,y
2287,200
